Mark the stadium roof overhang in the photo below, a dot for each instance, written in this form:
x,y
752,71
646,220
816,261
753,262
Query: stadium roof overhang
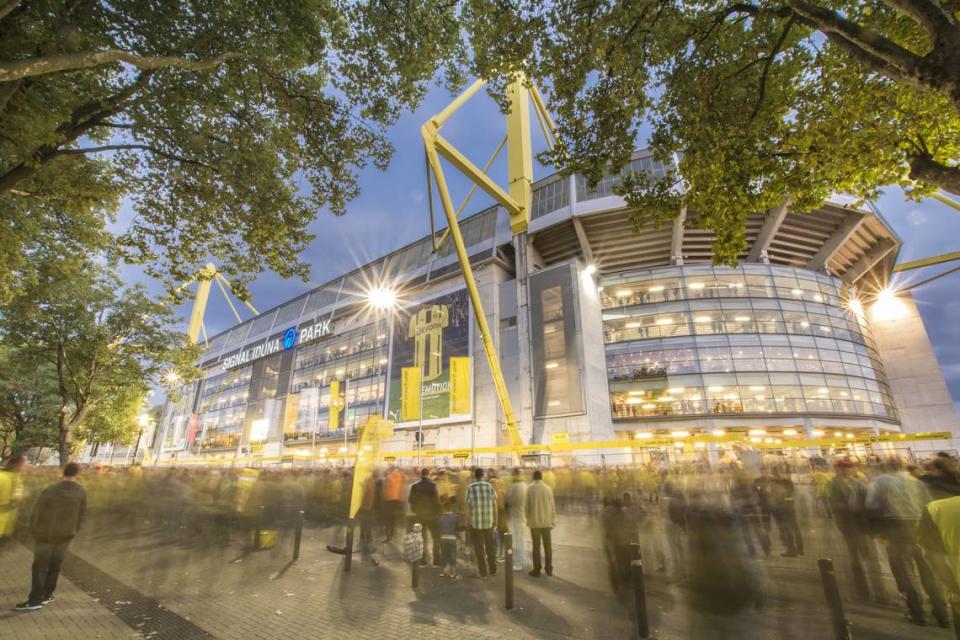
x,y
846,238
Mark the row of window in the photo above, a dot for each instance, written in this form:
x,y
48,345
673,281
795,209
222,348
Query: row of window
x,y
629,408
729,322
713,394
706,281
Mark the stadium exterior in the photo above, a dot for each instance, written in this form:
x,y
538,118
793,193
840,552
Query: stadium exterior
x,y
602,332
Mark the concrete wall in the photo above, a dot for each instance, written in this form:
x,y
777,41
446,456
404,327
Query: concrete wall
x,y
919,391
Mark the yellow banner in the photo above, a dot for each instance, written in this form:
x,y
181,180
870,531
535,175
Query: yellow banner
x,y
410,390
290,412
459,385
336,405
372,434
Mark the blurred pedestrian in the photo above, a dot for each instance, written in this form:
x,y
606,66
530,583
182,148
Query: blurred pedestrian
x,y
393,486
896,500
515,502
56,519
841,494
784,511
425,504
449,537
482,518
541,513
939,535
11,495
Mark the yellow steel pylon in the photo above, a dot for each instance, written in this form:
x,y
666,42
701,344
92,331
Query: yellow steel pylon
x,y
204,278
516,199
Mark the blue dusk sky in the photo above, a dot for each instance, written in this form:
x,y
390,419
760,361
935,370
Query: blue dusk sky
x,y
391,211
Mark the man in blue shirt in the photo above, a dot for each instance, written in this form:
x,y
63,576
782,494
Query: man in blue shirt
x,y
482,518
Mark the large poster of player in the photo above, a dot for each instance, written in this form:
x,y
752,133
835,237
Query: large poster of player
x,y
426,336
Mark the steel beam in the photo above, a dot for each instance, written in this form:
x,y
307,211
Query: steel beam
x,y
200,298
927,262
771,224
869,260
583,240
839,238
676,238
490,350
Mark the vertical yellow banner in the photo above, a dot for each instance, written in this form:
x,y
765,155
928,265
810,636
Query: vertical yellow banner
x,y
290,412
335,406
372,434
459,385
410,390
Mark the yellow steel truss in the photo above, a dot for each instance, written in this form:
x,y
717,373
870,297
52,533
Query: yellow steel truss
x,y
516,199
204,278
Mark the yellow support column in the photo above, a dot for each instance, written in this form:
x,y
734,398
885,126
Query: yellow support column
x,y
204,279
490,350
519,153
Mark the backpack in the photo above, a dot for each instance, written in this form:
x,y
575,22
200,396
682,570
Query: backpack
x,y
413,545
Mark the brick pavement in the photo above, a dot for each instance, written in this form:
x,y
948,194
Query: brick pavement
x,y
229,594
73,615
234,595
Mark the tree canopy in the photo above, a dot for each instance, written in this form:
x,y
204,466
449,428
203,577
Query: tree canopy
x,y
84,352
229,124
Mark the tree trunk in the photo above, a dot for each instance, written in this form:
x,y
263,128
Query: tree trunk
x,y
925,169
66,439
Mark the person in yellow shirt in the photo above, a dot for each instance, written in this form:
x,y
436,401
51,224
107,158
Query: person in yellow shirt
x,y
11,495
939,535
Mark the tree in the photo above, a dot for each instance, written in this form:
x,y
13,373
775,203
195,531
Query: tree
x,y
228,123
759,103
28,403
103,345
790,101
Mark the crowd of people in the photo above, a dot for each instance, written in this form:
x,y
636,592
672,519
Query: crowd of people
x,y
710,528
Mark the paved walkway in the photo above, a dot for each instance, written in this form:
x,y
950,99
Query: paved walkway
x,y
231,594
73,615
164,585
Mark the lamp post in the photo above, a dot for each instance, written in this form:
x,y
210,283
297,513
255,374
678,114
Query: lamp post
x,y
383,300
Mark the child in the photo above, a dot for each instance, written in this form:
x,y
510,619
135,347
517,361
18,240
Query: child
x,y
449,526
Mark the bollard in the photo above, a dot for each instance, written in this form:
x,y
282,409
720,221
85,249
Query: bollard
x,y
640,599
297,536
508,570
415,574
841,628
954,603
256,531
348,560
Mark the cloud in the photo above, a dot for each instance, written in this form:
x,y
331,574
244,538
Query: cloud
x,y
916,217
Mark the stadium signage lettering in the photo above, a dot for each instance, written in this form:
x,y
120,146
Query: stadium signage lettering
x,y
318,329
253,353
288,340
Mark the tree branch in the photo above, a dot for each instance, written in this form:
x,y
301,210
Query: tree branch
x,y
869,47
762,92
939,23
6,6
142,147
16,69
83,119
923,168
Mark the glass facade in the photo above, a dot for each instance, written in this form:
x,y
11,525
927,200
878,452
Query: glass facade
x,y
358,360
703,340
223,405
557,373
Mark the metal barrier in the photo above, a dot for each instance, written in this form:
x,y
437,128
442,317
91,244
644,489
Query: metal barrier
x,y
640,598
298,536
508,570
841,628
